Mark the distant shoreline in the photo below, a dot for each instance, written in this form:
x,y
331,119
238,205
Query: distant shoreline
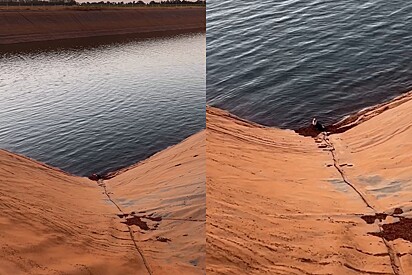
x,y
32,25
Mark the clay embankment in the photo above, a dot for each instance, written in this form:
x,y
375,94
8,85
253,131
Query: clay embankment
x,y
149,219
282,203
33,25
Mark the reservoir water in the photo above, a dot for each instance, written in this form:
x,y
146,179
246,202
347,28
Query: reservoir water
x,y
97,109
280,63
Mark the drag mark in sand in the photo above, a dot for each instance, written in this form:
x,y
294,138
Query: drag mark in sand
x,y
393,256
338,166
101,183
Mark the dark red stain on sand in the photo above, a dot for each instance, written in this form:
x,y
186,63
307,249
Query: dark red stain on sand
x,y
398,230
369,219
138,222
392,231
397,211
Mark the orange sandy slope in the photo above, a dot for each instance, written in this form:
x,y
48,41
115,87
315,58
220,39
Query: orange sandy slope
x,y
55,223
278,204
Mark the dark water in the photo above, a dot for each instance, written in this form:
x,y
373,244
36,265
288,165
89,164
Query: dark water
x,y
97,109
280,63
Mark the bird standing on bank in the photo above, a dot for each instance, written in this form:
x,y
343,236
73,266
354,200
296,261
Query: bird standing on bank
x,y
318,125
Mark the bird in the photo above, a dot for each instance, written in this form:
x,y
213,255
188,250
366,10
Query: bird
x,y
318,125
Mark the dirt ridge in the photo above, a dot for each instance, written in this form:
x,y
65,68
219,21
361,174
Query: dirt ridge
x,y
23,26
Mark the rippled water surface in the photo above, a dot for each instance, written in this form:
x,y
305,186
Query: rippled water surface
x,y
88,110
280,63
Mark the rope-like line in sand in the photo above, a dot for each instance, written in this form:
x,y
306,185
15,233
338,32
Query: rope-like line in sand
x,y
393,256
336,165
149,270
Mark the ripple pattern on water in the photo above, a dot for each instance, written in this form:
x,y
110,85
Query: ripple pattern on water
x,y
280,63
88,110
